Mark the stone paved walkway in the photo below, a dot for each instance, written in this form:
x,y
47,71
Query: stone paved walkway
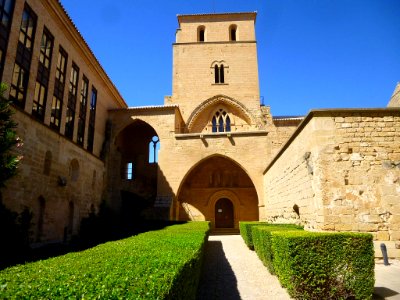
x,y
231,272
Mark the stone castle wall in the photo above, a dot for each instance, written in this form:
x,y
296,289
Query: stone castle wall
x,y
341,168
70,183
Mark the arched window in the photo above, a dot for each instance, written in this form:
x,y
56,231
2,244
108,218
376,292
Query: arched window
x,y
219,73
47,163
154,146
201,34
232,32
221,121
216,73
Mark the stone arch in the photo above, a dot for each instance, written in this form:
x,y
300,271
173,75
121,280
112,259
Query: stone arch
x,y
131,172
200,114
211,179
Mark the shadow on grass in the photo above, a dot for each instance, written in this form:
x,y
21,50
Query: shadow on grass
x,y
90,238
217,281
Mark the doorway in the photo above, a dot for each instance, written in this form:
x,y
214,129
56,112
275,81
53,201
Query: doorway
x,y
224,213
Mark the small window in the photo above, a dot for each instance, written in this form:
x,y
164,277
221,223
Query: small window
x,y
232,32
129,171
201,34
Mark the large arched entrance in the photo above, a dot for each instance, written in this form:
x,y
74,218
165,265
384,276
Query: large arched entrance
x,y
218,190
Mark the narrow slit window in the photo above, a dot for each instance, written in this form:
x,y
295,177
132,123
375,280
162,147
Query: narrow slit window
x,y
232,33
201,34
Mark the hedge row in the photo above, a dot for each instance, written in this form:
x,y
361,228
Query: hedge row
x,y
313,265
261,236
247,234
163,264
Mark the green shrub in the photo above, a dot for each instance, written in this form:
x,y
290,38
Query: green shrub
x,y
163,264
246,232
320,265
262,241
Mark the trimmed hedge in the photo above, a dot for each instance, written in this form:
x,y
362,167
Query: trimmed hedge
x,y
262,241
317,265
247,235
163,264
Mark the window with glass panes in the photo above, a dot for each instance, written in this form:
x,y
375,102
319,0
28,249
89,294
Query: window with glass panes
x,y
19,81
6,12
42,80
59,84
92,119
82,110
72,95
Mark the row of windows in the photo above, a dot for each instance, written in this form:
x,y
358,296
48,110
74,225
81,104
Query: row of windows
x,y
201,33
20,78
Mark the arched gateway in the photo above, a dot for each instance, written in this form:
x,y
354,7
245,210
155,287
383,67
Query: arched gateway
x,y
218,190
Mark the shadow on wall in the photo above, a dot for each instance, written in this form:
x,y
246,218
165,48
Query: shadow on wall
x,y
217,279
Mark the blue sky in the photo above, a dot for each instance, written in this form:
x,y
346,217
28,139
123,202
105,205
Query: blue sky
x,y
311,53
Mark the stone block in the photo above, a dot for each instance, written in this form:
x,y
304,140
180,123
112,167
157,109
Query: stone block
x,y
367,227
382,236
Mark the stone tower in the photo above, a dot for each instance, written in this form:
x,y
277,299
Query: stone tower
x,y
215,54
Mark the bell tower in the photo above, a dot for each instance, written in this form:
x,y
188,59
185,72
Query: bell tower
x,y
215,54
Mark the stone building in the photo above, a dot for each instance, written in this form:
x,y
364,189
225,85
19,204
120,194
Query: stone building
x,y
211,152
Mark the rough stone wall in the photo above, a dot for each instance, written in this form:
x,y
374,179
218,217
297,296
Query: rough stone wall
x,y
341,168
362,176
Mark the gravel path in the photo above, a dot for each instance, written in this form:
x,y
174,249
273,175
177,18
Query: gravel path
x,y
232,271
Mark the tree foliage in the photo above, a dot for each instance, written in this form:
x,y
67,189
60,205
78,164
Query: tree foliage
x,y
8,139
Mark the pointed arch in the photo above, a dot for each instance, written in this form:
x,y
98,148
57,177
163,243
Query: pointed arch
x,y
207,105
211,179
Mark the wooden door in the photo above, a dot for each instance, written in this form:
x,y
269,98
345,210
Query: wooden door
x,y
224,214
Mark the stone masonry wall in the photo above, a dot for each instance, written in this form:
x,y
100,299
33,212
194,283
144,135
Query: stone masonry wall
x,y
342,169
362,176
